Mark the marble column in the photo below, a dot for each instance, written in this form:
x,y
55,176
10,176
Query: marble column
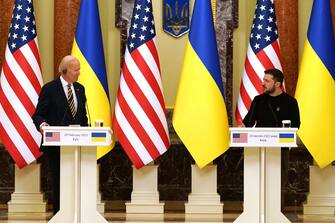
x,y
287,20
332,6
66,13
226,23
123,11
6,10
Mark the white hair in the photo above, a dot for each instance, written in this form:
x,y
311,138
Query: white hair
x,y
64,63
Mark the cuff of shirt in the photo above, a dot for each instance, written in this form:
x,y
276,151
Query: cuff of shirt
x,y
43,124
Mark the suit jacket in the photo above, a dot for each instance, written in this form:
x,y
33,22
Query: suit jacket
x,y
53,107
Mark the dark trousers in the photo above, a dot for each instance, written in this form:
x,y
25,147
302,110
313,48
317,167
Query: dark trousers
x,y
53,155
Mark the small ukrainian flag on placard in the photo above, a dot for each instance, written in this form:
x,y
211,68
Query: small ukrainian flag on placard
x,y
286,137
98,136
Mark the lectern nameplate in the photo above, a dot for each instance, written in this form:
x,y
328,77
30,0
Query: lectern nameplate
x,y
263,137
74,136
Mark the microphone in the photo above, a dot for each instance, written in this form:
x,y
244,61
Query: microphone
x,y
273,114
86,107
88,114
63,118
252,111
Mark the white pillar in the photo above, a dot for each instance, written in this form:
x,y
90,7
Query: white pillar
x,y
27,196
145,196
262,186
321,198
273,186
100,204
78,186
204,198
89,187
252,184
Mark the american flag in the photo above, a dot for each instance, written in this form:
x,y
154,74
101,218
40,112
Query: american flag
x,y
240,137
140,115
263,53
52,136
20,82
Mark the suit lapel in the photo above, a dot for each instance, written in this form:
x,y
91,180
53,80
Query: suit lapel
x,y
61,89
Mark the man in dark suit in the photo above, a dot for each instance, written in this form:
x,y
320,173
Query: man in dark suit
x,y
61,103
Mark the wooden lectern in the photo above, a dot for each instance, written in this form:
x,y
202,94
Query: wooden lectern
x,y
78,171
262,171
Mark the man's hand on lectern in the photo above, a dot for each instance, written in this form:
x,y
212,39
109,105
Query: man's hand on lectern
x,y
42,125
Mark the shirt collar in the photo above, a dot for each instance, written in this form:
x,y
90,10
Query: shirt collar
x,y
63,81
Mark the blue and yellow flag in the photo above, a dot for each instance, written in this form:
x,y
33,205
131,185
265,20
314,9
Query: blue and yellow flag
x,y
88,48
315,91
200,115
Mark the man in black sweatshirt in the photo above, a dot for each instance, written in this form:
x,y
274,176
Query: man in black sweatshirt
x,y
273,106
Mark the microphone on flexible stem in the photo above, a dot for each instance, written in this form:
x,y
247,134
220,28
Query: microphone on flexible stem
x,y
88,114
86,107
274,115
252,111
63,118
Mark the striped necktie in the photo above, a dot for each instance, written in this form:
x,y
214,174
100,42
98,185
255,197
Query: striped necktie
x,y
71,100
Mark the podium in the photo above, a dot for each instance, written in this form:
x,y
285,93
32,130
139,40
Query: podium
x,y
78,171
262,171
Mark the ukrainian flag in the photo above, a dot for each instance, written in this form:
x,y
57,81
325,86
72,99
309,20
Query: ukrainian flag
x,y
286,137
88,48
98,136
315,91
200,115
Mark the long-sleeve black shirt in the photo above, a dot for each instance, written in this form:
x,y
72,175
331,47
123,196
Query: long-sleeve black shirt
x,y
269,111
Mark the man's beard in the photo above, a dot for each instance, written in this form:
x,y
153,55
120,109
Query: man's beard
x,y
269,91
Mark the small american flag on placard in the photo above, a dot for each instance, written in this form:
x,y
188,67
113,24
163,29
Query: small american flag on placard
x,y
240,137
20,86
263,53
52,136
140,115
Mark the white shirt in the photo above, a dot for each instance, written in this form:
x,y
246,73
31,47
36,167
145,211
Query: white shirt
x,y
65,88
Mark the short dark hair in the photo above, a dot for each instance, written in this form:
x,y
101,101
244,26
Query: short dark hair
x,y
278,76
